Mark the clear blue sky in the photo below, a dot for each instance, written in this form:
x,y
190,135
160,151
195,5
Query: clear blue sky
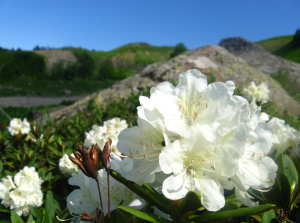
x,y
108,24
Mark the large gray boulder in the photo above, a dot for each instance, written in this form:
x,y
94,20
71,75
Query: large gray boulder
x,y
259,58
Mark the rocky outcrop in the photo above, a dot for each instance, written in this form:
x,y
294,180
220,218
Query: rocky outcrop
x,y
211,60
263,60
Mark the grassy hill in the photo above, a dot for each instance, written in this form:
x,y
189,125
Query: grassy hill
x,y
27,72
287,47
128,58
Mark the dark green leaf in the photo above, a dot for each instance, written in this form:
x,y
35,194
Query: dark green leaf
x,y
35,211
286,166
257,195
215,216
3,209
15,218
1,166
190,202
280,193
30,219
144,193
268,216
49,207
295,198
144,215
159,196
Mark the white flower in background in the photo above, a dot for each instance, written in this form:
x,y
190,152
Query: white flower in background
x,y
116,125
25,190
259,93
16,126
66,166
284,137
87,198
101,134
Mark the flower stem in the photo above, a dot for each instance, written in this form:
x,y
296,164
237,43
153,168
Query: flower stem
x,y
103,215
107,171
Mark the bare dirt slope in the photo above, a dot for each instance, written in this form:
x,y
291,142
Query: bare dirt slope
x,y
55,56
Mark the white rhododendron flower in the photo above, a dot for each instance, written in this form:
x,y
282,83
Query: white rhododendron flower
x,y
284,137
204,138
259,93
87,197
17,126
22,192
256,169
100,134
66,166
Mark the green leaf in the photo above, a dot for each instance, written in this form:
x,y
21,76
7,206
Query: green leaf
x,y
154,193
286,165
3,209
15,218
35,211
215,216
30,219
191,202
49,207
1,166
144,193
144,215
295,198
268,216
280,193
231,203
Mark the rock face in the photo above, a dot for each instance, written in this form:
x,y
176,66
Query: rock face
x,y
263,60
211,60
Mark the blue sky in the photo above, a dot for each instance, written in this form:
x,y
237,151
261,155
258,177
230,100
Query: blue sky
x,y
106,25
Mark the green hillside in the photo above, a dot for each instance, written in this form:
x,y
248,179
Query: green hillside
x,y
27,73
127,59
287,47
272,44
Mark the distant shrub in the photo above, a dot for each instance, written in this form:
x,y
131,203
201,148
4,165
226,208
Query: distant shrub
x,y
86,66
25,66
296,39
178,49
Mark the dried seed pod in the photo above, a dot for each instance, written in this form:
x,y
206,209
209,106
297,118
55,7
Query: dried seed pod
x,y
106,154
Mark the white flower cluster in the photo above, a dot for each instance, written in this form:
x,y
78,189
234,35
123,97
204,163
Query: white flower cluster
x,y
101,134
87,197
17,126
22,191
259,93
66,166
202,138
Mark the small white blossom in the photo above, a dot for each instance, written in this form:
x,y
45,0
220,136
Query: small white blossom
x,y
259,93
66,166
17,126
101,134
116,125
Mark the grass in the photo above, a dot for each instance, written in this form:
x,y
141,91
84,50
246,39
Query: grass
x,y
51,88
272,44
283,46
